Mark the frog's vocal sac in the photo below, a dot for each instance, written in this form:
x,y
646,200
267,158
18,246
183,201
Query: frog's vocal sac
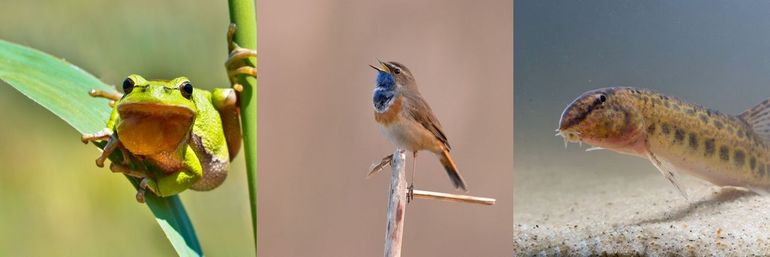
x,y
676,136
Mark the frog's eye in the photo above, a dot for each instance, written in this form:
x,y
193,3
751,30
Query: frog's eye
x,y
186,88
128,85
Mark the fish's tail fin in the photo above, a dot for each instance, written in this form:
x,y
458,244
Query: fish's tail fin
x,y
451,169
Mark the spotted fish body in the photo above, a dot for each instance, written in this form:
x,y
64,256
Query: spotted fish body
x,y
675,136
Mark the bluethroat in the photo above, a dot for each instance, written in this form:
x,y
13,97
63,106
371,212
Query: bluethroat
x,y
407,120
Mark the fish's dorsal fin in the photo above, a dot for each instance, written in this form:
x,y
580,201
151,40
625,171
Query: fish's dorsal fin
x,y
758,118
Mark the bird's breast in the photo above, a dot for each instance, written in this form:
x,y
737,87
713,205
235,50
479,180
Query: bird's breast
x,y
389,113
403,131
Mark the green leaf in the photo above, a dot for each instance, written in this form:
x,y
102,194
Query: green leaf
x,y
62,88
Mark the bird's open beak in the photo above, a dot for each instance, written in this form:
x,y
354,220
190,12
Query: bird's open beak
x,y
383,68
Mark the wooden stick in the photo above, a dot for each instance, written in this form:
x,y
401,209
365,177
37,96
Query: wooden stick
x,y
396,205
397,199
422,194
377,167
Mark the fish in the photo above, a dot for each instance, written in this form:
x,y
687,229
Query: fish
x,y
677,137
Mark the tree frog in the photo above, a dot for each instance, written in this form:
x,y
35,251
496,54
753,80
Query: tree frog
x,y
174,136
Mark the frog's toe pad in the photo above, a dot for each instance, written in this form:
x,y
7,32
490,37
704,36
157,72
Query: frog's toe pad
x,y
140,195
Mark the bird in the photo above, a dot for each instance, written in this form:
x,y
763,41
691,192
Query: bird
x,y
406,119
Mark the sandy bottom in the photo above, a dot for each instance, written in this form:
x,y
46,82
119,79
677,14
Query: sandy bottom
x,y
572,211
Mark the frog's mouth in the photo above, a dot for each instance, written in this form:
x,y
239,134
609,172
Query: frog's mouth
x,y
151,109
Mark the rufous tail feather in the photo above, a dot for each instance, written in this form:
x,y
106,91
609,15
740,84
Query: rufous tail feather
x,y
451,170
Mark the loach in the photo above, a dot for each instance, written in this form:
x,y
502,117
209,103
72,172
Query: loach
x,y
676,136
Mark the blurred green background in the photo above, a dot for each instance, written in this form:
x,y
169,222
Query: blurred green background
x,y
53,199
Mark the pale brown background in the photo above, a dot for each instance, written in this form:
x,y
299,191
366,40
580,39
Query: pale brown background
x,y
317,135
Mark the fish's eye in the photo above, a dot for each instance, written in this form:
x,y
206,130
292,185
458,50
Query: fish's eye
x,y
128,85
186,88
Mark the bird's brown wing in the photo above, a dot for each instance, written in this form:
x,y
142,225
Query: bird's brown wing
x,y
421,112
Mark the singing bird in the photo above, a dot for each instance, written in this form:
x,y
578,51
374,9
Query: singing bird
x,y
407,120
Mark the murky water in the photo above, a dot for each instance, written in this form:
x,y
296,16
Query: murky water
x,y
714,54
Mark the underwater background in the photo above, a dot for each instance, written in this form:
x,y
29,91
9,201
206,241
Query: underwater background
x,y
713,53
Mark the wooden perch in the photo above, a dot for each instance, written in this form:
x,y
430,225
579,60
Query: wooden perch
x,y
422,194
377,167
398,196
396,206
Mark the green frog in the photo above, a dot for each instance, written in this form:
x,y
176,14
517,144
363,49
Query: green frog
x,y
172,135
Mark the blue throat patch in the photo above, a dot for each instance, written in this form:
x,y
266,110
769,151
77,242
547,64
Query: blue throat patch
x,y
384,92
386,80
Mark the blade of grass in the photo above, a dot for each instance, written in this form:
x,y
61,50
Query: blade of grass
x,y
62,88
243,13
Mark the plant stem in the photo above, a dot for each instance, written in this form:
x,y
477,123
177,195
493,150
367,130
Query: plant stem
x,y
243,13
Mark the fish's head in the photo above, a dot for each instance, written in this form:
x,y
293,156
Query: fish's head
x,y
603,117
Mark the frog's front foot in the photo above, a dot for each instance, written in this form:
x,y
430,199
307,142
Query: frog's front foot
x,y
102,135
236,63
147,184
113,96
112,144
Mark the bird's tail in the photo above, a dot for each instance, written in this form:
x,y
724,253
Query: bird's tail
x,y
451,169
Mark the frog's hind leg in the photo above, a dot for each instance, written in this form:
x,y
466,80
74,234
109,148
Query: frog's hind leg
x,y
236,62
175,182
147,184
144,186
225,100
127,170
667,173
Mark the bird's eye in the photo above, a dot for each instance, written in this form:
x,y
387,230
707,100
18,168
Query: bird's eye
x,y
186,88
397,71
128,85
602,98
